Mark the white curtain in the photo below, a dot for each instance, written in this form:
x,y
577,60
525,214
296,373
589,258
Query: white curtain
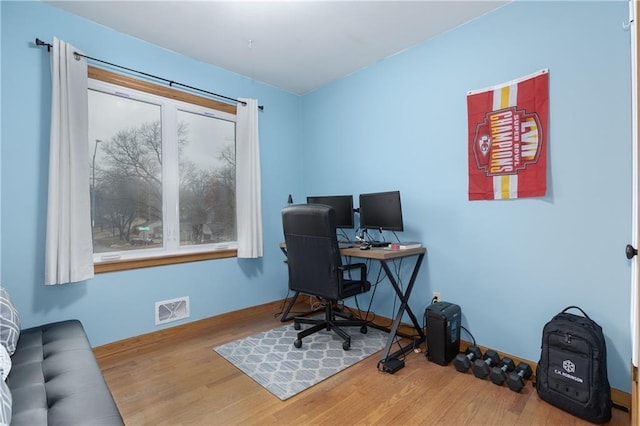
x,y
69,247
248,186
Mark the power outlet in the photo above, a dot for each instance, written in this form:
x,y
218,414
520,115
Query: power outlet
x,y
435,297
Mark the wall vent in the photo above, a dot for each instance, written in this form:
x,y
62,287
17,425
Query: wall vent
x,y
172,310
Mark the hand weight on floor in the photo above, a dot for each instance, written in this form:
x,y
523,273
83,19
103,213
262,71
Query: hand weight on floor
x,y
481,367
498,374
463,361
517,378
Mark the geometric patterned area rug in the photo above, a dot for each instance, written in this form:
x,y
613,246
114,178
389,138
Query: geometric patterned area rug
x,y
270,358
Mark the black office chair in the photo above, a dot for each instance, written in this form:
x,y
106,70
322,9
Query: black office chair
x,y
316,269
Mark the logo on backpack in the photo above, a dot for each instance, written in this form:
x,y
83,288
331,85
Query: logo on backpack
x,y
568,366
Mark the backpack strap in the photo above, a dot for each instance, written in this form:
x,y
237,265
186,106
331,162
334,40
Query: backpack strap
x,y
578,308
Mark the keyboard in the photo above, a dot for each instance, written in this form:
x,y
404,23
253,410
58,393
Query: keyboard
x,y
378,243
344,245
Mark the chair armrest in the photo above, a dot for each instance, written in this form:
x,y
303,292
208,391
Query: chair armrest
x,y
361,283
361,266
350,266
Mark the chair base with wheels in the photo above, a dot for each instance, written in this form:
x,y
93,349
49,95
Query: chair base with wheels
x,y
329,323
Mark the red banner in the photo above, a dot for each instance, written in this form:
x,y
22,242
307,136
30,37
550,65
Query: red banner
x,y
508,139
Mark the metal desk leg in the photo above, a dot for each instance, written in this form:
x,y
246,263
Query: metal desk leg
x,y
404,307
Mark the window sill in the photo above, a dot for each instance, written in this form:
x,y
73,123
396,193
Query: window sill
x,y
123,265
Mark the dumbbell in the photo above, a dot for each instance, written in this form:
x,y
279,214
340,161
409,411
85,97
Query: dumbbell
x,y
517,378
463,361
481,367
499,373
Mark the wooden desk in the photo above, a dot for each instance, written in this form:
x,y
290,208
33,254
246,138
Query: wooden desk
x,y
377,253
380,253
384,256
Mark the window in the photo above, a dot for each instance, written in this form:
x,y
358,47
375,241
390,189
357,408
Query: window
x,y
207,179
162,174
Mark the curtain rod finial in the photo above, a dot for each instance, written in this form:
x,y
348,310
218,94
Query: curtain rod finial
x,y
42,43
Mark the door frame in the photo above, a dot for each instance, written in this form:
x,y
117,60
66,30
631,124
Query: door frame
x,y
635,225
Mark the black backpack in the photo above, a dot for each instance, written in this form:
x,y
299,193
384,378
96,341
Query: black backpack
x,y
572,371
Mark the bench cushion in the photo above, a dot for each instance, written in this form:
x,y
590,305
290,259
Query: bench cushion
x,y
55,379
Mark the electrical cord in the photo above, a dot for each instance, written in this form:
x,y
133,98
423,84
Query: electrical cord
x,y
469,333
373,294
380,278
395,235
284,301
398,266
403,355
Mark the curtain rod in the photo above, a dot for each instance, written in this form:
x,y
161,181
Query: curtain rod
x,y
171,82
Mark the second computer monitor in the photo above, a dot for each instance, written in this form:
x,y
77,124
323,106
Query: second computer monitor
x,y
381,210
342,204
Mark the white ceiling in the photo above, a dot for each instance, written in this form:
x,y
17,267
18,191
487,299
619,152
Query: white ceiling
x,y
297,46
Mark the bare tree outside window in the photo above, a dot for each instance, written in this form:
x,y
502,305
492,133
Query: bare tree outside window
x,y
126,173
207,180
127,181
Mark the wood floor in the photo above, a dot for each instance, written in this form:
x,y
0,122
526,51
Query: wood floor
x,y
174,377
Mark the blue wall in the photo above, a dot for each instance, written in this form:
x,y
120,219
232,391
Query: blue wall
x,y
117,305
510,265
399,124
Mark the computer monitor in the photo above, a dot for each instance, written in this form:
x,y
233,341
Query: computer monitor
x,y
342,204
381,210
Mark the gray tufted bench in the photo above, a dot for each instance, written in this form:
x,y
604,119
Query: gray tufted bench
x,y
55,379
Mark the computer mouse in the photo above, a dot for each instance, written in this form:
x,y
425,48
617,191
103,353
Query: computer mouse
x,y
365,247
